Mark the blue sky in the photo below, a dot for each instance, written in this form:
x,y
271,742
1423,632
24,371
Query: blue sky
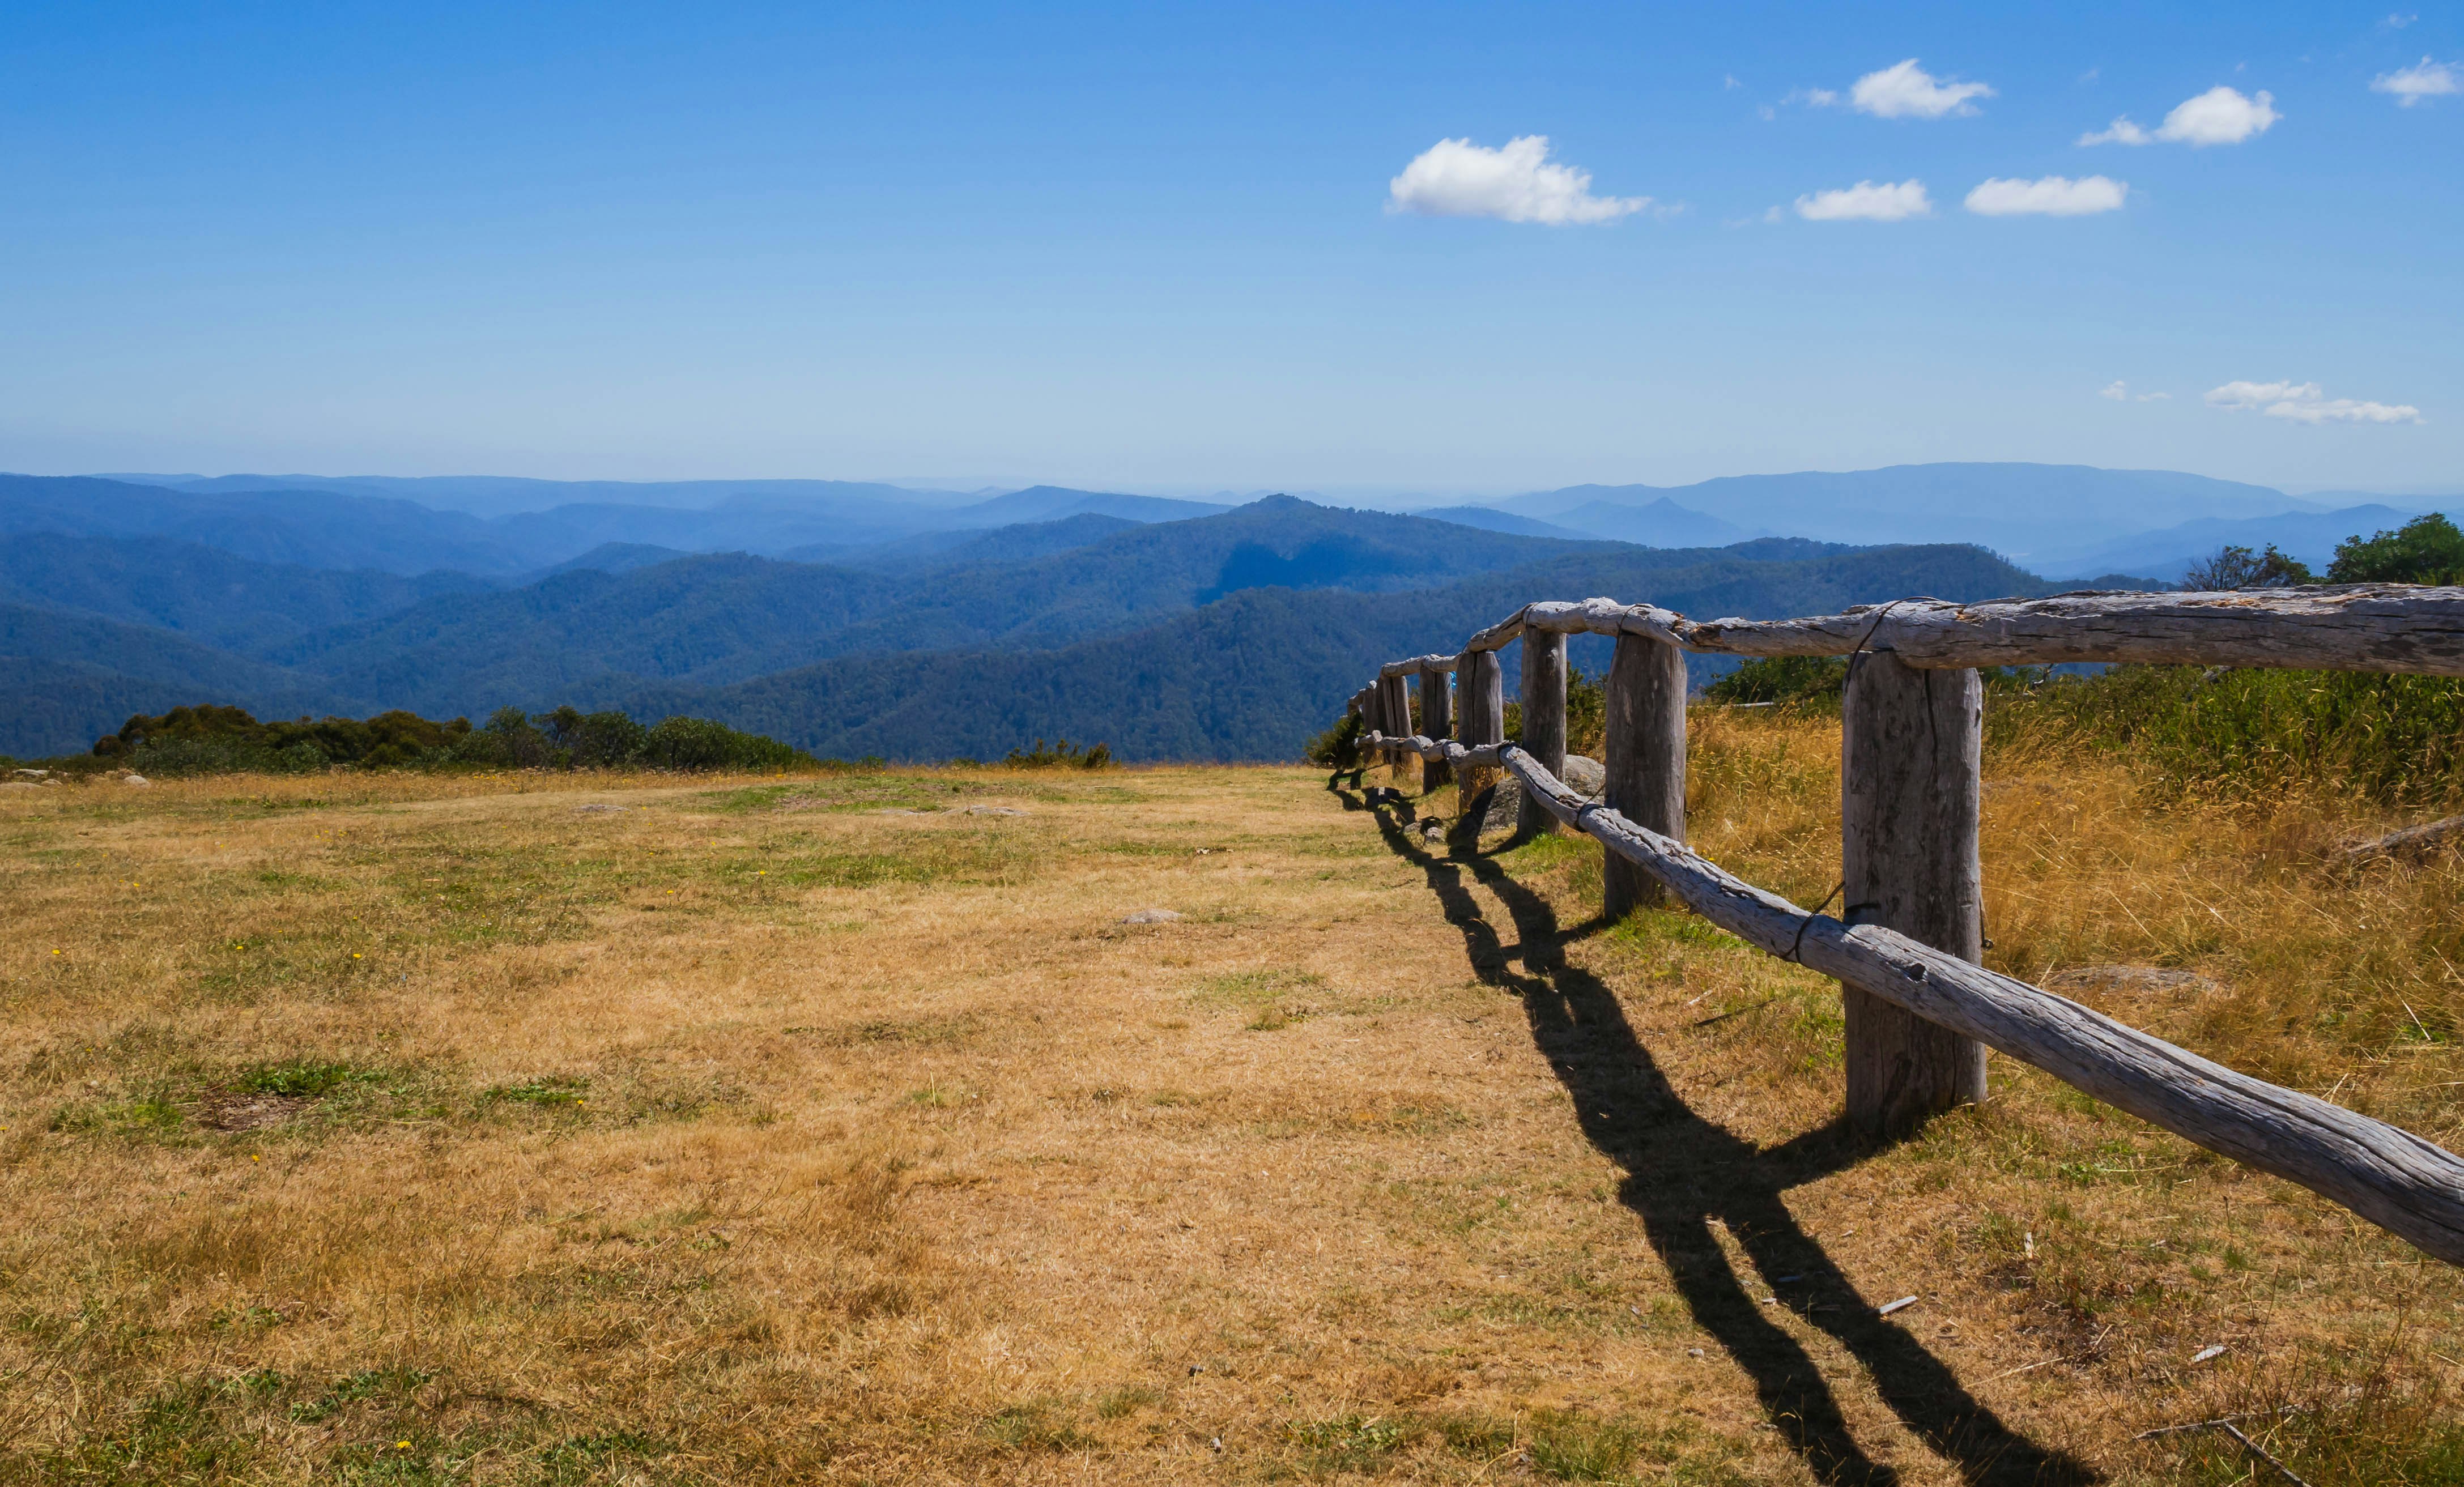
x,y
1158,248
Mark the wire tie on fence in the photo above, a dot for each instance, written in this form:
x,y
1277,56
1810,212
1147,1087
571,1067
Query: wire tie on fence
x,y
1880,616
1799,943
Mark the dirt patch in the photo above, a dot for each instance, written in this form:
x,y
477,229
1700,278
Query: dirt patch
x,y
238,1109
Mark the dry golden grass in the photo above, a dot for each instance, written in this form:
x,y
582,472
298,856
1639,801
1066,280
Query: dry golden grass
x,y
413,1128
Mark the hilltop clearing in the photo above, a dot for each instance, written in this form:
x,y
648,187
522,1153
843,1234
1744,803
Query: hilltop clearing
x,y
838,1126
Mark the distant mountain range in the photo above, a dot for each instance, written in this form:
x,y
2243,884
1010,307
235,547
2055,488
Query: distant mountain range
x,y
96,626
2309,535
2029,512
865,618
364,522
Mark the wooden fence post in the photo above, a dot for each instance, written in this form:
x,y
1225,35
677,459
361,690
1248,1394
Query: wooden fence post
x,y
1398,706
1543,720
1645,759
1911,748
1437,720
1480,697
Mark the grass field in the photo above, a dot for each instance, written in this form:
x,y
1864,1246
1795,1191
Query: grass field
x,y
536,1128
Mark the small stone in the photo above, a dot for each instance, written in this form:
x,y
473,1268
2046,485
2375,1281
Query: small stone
x,y
1585,775
1153,916
992,810
31,773
596,808
139,781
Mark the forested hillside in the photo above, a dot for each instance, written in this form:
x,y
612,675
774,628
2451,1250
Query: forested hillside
x,y
1225,636
1253,676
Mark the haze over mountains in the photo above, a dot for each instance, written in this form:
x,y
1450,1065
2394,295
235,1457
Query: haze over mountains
x,y
858,618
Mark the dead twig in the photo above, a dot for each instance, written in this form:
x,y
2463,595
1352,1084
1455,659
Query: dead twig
x,y
2228,1424
1739,1013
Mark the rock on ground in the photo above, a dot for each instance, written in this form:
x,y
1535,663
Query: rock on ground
x,y
1588,776
1151,917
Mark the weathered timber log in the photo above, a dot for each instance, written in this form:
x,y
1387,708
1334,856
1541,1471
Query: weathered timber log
x,y
2357,627
1446,749
1911,745
2388,1176
2410,842
1645,760
1416,663
2352,627
1543,720
1436,721
1480,706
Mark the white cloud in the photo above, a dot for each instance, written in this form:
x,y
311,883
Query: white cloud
x,y
1866,202
1907,91
2304,403
2118,391
2220,115
2422,80
1456,178
1730,80
2053,196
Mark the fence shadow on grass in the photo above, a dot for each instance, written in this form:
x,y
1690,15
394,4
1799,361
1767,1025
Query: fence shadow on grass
x,y
1683,1173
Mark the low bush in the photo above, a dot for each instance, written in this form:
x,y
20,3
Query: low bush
x,y
1060,755
214,740
2253,734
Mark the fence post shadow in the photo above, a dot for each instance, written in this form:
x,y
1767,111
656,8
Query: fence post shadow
x,y
1686,1172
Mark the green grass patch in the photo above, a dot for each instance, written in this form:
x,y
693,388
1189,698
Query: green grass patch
x,y
550,1091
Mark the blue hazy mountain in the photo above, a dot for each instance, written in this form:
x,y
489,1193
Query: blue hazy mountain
x,y
1658,523
505,495
316,529
2023,511
2309,535
364,521
1050,503
1487,518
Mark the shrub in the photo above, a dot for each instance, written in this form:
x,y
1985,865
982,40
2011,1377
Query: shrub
x,y
1803,680
2241,568
683,743
2424,550
1338,748
2246,734
210,739
1060,755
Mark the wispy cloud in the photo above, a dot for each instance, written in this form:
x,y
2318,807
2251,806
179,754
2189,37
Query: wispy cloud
x,y
1867,201
1907,91
2304,402
2220,115
1456,178
2053,196
2120,392
2423,80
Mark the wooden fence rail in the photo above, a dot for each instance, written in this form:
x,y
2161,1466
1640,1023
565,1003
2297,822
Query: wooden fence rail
x,y
1920,1010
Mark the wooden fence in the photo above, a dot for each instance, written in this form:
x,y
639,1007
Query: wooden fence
x,y
1920,1011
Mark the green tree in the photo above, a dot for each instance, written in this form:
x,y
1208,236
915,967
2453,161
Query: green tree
x,y
2241,568
2424,550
